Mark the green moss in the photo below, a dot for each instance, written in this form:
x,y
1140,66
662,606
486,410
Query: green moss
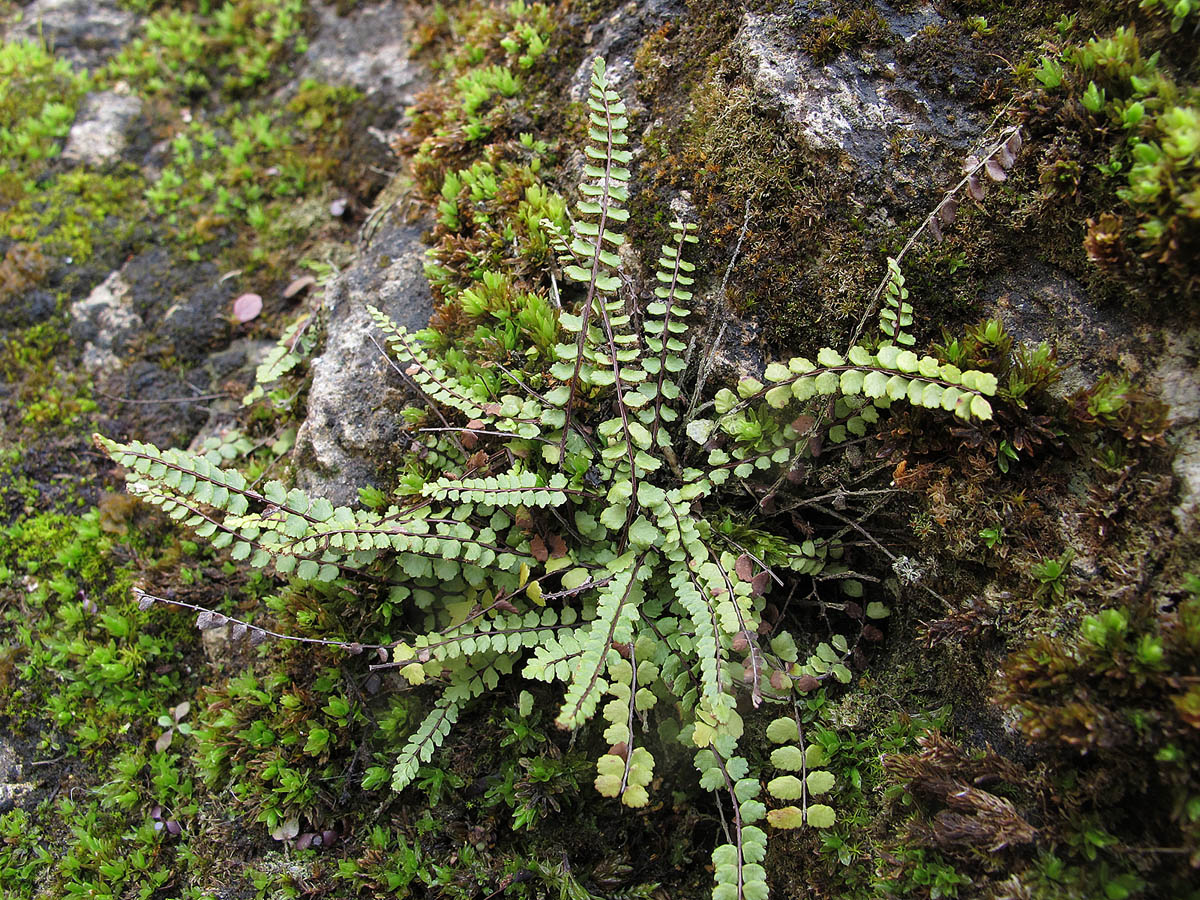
x,y
44,400
38,94
852,26
195,55
802,253
67,215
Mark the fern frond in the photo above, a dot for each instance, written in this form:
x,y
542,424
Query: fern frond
x,y
709,646
430,735
663,325
615,615
426,373
510,489
553,658
593,260
506,633
896,314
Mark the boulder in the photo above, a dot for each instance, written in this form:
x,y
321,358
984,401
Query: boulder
x,y
351,436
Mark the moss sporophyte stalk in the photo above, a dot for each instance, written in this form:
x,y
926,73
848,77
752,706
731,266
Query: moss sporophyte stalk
x,y
598,556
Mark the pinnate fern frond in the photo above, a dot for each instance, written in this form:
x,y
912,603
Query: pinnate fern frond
x,y
600,347
616,612
425,371
664,324
896,314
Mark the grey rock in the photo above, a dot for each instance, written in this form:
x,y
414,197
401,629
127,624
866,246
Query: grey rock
x,y
196,322
367,48
1038,303
154,404
153,301
351,436
13,787
106,324
185,307
29,307
855,103
84,32
615,39
1178,376
101,128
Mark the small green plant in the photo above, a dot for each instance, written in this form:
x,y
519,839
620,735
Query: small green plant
x,y
1051,576
1050,73
979,27
992,536
1179,10
597,557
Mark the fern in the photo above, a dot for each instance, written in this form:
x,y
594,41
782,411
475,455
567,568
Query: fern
x,y
647,606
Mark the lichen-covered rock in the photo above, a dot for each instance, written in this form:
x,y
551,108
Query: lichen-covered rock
x,y
854,104
351,436
1036,303
1178,375
102,126
615,39
106,324
13,786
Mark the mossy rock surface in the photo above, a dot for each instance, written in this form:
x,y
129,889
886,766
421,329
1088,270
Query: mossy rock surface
x,y
1034,680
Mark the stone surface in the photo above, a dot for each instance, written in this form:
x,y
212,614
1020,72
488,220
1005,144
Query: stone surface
x,y
186,307
85,32
106,324
156,404
615,39
367,48
13,786
1039,303
855,103
351,436
101,128
155,304
1178,376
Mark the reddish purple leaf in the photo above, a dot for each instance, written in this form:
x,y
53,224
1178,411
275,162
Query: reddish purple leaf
x,y
1004,157
744,567
948,210
934,228
975,187
969,164
1014,143
995,171
761,582
247,307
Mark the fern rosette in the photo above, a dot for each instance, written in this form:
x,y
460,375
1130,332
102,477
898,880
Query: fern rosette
x,y
577,533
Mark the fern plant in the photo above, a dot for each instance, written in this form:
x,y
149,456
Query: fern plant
x,y
573,530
